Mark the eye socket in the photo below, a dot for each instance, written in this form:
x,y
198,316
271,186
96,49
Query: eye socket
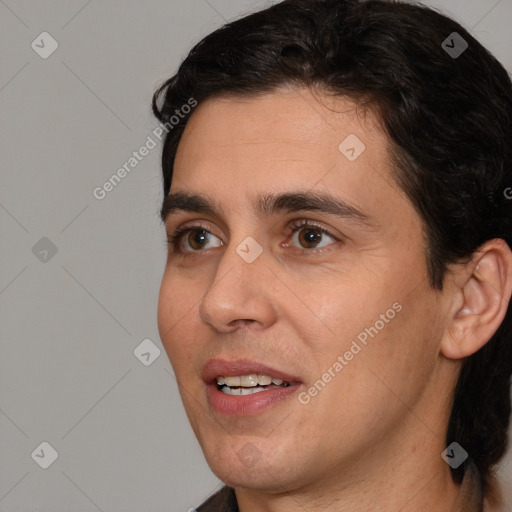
x,y
304,232
193,235
199,236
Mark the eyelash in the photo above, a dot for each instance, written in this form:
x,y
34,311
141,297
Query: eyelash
x,y
175,239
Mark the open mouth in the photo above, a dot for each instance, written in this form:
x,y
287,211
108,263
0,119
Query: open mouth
x,y
243,387
248,384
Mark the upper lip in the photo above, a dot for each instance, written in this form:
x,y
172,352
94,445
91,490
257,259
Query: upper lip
x,y
222,367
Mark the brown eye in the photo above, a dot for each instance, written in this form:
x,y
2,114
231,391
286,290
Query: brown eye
x,y
197,238
192,239
308,236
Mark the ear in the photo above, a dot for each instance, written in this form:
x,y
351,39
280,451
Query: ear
x,y
481,294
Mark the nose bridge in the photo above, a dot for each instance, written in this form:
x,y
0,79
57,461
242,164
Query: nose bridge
x,y
238,290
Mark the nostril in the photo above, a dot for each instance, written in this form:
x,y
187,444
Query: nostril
x,y
241,323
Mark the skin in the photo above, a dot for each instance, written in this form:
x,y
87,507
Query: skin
x,y
376,431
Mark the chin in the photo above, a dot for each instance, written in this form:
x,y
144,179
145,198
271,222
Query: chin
x,y
254,479
243,465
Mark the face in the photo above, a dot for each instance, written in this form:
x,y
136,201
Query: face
x,y
299,281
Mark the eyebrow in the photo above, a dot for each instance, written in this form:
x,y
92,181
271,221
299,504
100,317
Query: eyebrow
x,y
268,204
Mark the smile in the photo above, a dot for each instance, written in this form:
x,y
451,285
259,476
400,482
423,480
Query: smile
x,y
248,384
242,387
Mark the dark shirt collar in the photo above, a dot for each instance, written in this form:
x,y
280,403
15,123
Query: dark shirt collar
x,y
469,499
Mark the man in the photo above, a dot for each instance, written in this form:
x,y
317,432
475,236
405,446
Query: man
x,y
335,303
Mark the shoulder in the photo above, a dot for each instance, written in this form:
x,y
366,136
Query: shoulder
x,y
222,501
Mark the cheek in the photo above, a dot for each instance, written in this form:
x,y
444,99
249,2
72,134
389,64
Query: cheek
x,y
385,336
336,310
178,303
399,355
375,383
178,294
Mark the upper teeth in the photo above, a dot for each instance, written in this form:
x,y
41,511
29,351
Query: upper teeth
x,y
248,381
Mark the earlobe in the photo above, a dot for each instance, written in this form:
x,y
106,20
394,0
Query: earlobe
x,y
485,287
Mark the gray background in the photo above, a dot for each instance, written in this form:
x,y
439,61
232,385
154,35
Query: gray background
x,y
70,321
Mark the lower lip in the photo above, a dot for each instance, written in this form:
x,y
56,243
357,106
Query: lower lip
x,y
244,405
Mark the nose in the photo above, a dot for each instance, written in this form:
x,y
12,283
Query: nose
x,y
240,294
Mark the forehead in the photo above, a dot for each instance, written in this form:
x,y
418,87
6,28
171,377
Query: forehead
x,y
288,131
235,149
